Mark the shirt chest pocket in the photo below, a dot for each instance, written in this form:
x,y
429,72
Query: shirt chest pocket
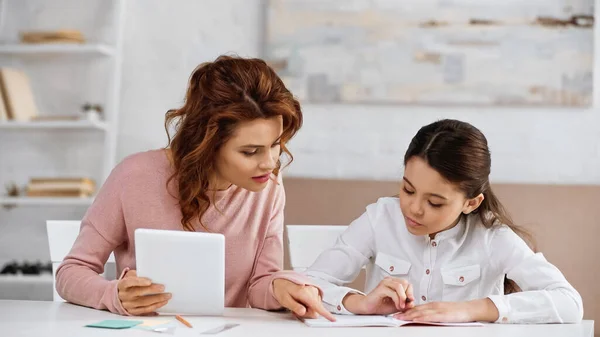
x,y
389,265
461,283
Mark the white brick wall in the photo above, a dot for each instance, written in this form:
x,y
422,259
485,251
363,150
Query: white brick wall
x,y
528,145
337,141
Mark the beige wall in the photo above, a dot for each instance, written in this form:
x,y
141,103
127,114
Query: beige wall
x,y
565,220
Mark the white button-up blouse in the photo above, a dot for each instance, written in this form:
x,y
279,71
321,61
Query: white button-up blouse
x,y
466,262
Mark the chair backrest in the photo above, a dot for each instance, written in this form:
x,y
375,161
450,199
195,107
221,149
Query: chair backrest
x,y
307,242
61,236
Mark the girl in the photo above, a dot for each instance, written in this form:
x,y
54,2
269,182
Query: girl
x,y
219,174
444,249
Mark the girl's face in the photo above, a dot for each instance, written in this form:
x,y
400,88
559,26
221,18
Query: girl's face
x,y
431,204
250,156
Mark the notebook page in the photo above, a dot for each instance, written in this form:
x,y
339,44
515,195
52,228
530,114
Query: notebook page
x,y
352,321
374,320
401,323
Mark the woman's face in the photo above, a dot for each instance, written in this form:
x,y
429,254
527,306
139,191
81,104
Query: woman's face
x,y
250,156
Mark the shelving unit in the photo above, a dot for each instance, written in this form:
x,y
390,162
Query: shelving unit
x,y
108,125
102,54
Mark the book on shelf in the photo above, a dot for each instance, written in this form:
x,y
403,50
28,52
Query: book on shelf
x,y
59,194
61,187
52,36
3,111
17,95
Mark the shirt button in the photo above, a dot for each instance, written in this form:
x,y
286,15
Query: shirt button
x,y
391,268
434,244
461,279
424,298
427,272
339,308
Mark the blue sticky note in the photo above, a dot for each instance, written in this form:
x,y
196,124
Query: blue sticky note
x,y
115,324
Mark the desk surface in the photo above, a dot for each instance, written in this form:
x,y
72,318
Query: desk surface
x,y
33,318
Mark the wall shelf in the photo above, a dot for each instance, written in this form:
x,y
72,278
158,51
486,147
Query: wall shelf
x,y
44,201
50,49
34,125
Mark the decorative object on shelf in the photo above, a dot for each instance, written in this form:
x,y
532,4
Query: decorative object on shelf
x,y
92,112
17,95
26,268
61,187
12,190
56,36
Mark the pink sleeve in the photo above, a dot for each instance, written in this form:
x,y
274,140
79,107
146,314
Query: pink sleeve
x,y
78,278
270,261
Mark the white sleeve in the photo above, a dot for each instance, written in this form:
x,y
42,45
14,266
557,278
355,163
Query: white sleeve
x,y
546,296
342,263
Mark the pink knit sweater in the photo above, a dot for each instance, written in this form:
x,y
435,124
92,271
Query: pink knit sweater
x,y
135,196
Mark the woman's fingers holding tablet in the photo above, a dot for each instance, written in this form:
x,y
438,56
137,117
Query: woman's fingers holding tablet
x,y
147,290
145,310
139,295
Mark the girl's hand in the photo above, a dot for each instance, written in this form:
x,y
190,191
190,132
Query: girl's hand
x,y
303,301
452,312
390,296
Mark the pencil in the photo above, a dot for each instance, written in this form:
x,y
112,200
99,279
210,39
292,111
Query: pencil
x,y
186,323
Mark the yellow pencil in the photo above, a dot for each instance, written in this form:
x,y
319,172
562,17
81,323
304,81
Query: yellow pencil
x,y
186,323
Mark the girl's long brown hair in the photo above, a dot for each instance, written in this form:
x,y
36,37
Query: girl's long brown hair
x,y
459,152
220,95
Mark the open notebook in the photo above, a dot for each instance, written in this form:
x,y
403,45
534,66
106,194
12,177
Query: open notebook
x,y
365,320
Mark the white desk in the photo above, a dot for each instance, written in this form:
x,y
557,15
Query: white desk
x,y
56,319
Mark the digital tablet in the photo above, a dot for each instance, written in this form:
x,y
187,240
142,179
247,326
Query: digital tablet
x,y
190,265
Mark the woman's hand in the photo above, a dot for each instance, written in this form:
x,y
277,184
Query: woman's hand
x,y
390,296
304,301
139,296
452,312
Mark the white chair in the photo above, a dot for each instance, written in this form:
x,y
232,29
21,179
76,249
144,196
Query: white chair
x,y
307,242
61,236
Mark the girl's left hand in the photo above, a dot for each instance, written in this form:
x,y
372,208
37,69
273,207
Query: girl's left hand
x,y
481,310
446,312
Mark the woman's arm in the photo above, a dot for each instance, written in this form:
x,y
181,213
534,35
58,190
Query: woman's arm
x,y
78,278
269,262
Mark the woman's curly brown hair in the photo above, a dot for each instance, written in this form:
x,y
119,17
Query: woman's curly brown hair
x,y
220,95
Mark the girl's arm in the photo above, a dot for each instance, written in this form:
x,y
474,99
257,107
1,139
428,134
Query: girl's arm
x,y
342,263
546,297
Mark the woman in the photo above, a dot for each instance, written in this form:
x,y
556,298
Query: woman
x,y
220,173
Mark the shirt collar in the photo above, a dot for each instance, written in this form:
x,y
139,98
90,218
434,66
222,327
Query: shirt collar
x,y
451,232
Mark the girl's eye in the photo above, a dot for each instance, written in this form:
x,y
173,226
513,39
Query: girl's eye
x,y
435,205
407,191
